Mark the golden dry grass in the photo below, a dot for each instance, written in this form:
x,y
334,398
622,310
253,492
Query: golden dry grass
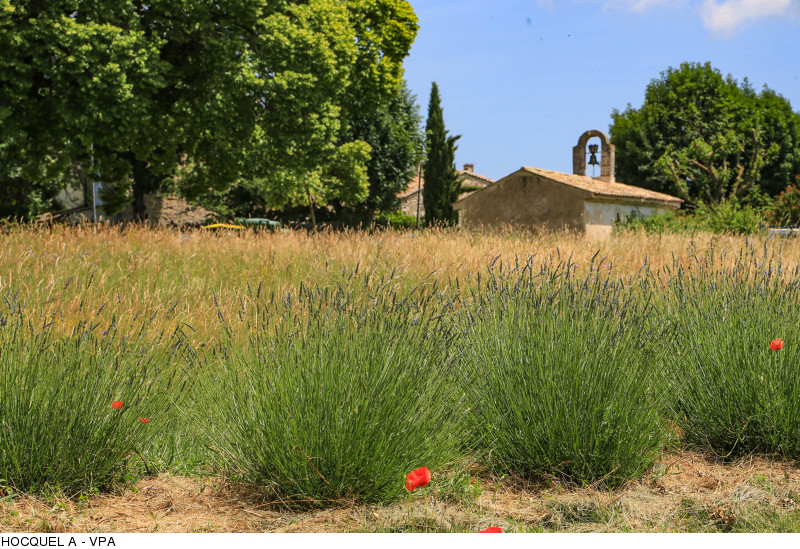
x,y
63,274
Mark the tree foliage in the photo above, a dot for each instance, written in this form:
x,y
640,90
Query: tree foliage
x,y
394,131
786,206
705,137
442,182
191,95
68,77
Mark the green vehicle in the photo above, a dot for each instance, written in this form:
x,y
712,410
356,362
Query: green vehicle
x,y
243,223
259,223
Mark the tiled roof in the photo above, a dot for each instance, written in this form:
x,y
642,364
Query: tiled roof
x,y
603,188
414,184
473,175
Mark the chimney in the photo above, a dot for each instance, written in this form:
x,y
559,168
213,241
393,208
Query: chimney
x,y
469,168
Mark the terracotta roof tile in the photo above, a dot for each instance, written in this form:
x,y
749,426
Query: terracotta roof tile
x,y
603,188
414,184
479,177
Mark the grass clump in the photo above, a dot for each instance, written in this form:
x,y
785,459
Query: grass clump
x,y
731,217
334,399
735,394
58,429
565,386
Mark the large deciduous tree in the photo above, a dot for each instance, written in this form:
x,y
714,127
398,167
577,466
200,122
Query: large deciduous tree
x,y
394,132
192,95
69,79
382,32
442,182
707,138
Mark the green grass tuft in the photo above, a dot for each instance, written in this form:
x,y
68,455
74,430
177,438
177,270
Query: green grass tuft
x,y
58,431
565,387
333,400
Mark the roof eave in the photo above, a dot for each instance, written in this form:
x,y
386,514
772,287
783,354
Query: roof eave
x,y
595,195
635,201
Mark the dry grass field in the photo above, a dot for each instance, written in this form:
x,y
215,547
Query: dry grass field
x,y
186,280
65,273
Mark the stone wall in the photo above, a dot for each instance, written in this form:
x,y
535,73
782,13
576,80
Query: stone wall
x,y
160,210
408,205
524,200
173,211
599,217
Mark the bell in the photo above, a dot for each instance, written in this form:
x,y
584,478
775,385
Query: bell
x,y
593,151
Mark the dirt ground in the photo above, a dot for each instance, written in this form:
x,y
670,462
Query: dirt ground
x,y
683,492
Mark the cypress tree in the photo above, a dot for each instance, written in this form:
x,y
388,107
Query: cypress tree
x,y
442,182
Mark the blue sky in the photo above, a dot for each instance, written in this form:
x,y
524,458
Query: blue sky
x,y
520,81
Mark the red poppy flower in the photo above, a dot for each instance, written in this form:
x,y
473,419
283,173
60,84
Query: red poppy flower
x,y
418,478
492,530
776,345
144,419
117,404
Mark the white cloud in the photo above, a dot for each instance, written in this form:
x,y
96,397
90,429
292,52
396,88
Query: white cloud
x,y
641,5
721,17
725,17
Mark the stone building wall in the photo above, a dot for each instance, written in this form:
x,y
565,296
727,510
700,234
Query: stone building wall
x,y
599,217
527,201
412,193
408,204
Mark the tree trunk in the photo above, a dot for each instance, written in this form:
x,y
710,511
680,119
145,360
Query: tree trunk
x,y
144,182
311,208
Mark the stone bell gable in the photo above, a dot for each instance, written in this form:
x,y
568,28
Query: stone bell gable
x,y
607,156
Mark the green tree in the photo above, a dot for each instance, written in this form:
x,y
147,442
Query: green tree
x,y
780,128
382,32
252,89
442,182
706,138
68,78
394,131
191,95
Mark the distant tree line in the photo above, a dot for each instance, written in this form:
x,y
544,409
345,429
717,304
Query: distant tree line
x,y
250,107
